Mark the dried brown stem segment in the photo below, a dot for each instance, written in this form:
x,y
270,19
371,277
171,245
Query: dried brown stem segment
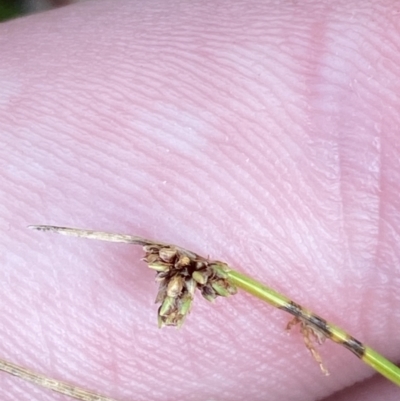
x,y
98,235
52,384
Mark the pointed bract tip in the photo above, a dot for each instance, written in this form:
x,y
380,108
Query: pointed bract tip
x,y
36,227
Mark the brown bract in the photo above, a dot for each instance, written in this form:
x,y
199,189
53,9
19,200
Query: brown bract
x,y
179,274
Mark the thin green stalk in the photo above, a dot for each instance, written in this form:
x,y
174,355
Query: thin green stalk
x,y
334,333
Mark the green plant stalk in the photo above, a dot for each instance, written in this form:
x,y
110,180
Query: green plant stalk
x,y
334,333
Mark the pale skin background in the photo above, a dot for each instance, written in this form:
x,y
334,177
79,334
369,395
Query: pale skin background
x,y
262,133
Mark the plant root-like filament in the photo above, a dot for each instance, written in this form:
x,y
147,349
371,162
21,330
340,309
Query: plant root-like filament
x,y
310,336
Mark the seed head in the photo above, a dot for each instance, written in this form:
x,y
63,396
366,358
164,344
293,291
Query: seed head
x,y
179,273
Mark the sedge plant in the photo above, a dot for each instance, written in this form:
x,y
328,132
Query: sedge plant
x,y
180,273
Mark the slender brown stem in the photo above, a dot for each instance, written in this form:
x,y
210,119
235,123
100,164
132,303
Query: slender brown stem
x,y
52,384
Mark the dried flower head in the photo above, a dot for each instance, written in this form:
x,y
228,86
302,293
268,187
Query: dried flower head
x,y
179,272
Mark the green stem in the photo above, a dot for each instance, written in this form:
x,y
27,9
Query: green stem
x,y
382,365
334,333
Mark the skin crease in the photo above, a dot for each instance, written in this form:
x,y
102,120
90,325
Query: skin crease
x,y
264,134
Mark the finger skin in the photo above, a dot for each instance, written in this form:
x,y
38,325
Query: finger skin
x,y
262,135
